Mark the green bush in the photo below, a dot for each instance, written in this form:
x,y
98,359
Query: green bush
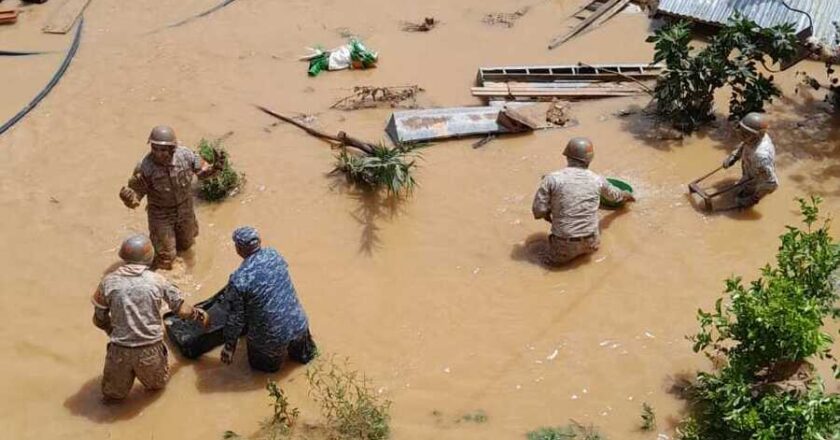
x,y
764,338
225,182
350,406
685,91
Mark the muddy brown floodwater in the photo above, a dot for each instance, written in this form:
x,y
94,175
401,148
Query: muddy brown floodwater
x,y
437,300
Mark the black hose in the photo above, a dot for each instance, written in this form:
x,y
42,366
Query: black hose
x,y
58,74
14,53
203,14
810,19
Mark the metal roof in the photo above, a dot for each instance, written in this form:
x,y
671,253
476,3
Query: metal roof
x,y
765,13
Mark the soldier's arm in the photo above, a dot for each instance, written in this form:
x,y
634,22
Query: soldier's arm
x,y
172,296
236,317
101,315
203,169
137,188
613,194
735,156
542,201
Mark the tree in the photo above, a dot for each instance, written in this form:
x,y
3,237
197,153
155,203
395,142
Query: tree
x,y
685,91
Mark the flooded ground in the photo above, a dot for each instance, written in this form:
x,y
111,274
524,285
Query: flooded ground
x,y
438,300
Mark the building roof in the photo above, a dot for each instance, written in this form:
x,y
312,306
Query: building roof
x,y
765,13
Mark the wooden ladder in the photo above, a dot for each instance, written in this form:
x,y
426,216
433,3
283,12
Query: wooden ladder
x,y
593,14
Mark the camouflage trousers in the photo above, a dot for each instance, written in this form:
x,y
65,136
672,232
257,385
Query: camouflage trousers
x,y
271,359
751,194
563,250
172,230
149,364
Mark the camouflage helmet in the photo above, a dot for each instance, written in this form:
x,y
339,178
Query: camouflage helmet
x,y
580,148
137,249
755,123
163,135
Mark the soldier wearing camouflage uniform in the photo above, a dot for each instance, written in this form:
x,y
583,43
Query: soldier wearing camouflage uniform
x,y
569,200
263,303
165,176
127,306
758,161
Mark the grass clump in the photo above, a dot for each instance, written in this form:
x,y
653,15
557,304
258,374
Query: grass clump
x,y
764,339
380,167
648,418
479,416
226,182
349,405
572,431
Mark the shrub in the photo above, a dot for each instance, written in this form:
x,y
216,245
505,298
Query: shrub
x,y
764,338
350,406
225,182
685,91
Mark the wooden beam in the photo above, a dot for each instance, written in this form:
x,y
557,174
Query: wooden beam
x,y
583,25
63,18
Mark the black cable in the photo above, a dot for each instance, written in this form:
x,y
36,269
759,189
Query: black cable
x,y
14,53
205,13
58,74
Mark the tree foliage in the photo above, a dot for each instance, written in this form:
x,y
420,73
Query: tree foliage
x,y
764,338
685,91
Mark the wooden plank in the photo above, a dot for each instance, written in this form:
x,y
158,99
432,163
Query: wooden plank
x,y
583,25
63,18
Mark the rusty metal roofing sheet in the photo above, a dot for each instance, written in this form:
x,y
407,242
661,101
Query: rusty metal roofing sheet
x,y
764,12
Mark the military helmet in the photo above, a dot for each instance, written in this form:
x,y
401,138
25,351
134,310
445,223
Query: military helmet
x,y
755,123
163,135
137,249
580,148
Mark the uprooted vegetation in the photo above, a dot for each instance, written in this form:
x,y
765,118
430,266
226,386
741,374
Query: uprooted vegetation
x,y
685,91
764,339
373,96
227,181
370,166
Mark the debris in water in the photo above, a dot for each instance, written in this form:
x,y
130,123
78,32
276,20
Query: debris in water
x,y
506,19
600,259
519,387
428,24
585,391
373,96
446,370
476,271
54,200
553,355
575,397
557,113
650,335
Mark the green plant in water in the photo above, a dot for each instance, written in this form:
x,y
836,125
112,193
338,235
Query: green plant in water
x,y
350,406
648,418
685,91
763,338
478,416
226,181
832,84
574,431
285,415
382,167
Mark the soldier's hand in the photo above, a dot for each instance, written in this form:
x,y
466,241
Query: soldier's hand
x,y
201,316
729,161
129,198
227,354
220,159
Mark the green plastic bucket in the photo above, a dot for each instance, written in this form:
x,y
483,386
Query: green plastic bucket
x,y
620,184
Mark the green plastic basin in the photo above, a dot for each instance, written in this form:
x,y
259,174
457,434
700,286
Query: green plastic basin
x,y
620,184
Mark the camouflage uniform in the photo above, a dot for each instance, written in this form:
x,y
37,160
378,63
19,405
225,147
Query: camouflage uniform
x,y
172,223
571,197
263,302
130,299
759,166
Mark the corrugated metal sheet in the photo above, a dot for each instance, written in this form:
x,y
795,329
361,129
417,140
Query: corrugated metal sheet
x,y
764,12
441,123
